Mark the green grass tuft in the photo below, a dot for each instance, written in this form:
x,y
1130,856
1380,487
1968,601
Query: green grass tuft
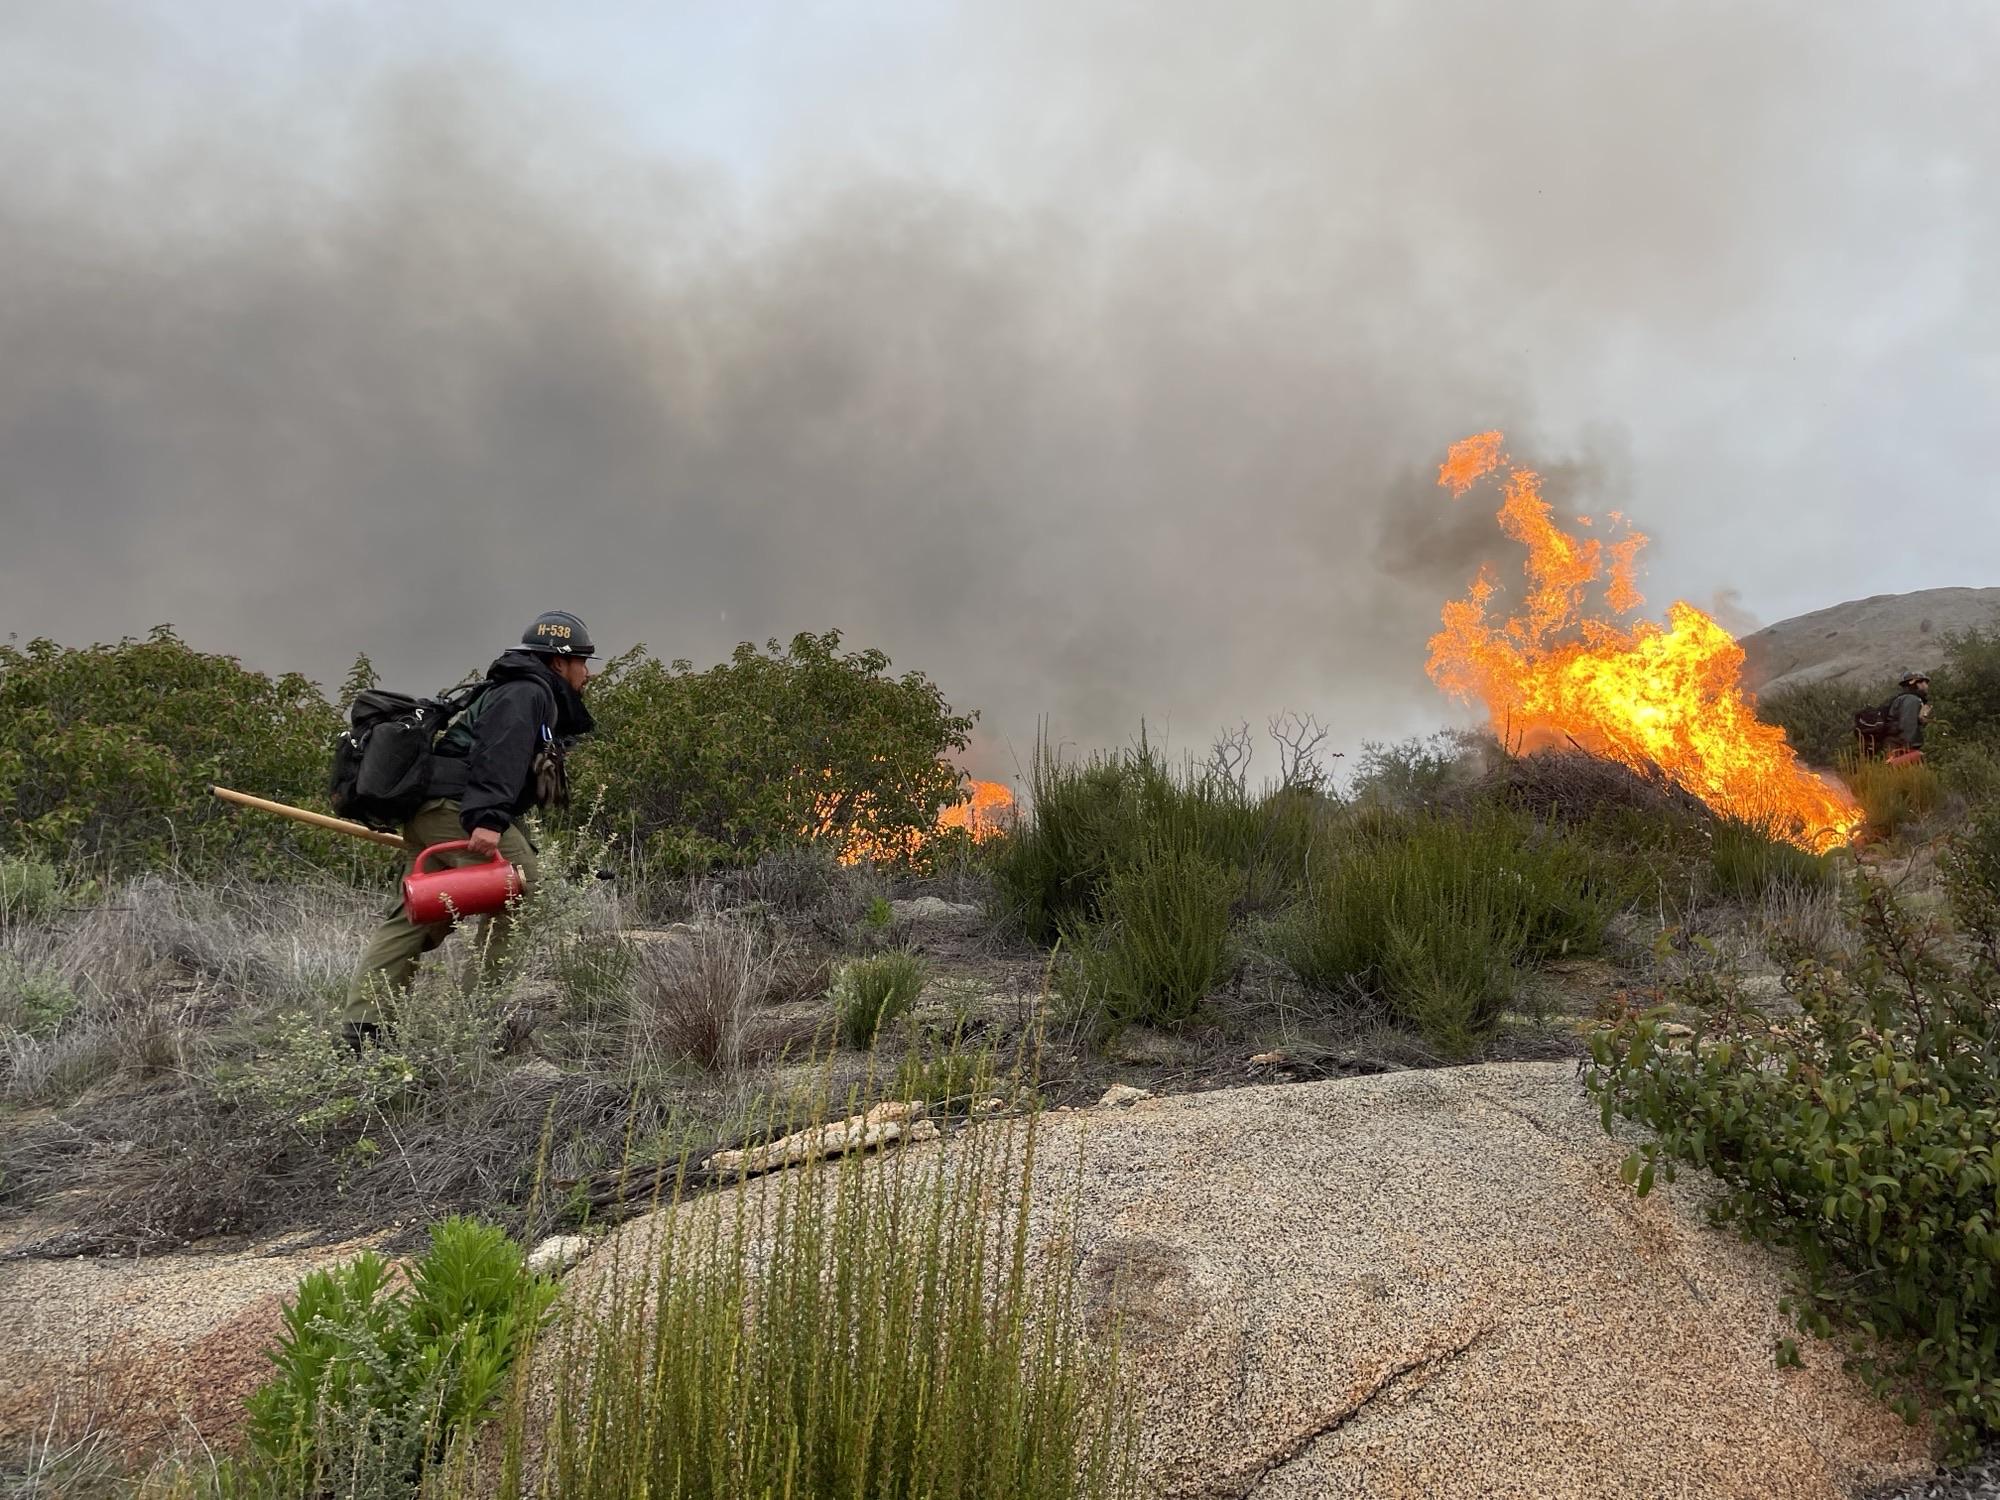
x,y
1746,863
870,993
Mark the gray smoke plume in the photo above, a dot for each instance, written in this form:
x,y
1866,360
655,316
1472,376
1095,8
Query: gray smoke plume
x,y
1097,364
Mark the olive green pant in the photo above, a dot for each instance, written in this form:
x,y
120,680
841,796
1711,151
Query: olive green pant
x,y
391,960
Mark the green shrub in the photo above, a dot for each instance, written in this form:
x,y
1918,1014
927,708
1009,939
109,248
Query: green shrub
x,y
1091,817
374,1379
1413,773
1163,941
1966,687
950,1073
1747,862
35,999
106,755
1860,1133
870,993
1893,797
770,749
871,1326
1818,718
1969,773
1433,914
31,890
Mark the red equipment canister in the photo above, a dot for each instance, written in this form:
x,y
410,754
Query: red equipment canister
x,y
462,891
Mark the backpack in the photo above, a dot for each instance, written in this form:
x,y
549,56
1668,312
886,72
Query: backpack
x,y
1877,727
381,771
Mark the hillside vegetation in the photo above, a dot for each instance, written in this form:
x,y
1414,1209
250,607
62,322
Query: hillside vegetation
x,y
1808,1028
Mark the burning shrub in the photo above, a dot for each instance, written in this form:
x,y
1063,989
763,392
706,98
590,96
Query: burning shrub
x,y
1566,668
1163,943
1433,915
1858,1132
770,749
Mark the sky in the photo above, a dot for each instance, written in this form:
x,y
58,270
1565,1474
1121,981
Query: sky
x,y
1094,359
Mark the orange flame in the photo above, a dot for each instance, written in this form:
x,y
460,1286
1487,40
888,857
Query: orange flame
x,y
1561,669
987,812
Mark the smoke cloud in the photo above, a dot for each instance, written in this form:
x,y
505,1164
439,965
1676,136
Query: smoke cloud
x,y
1097,365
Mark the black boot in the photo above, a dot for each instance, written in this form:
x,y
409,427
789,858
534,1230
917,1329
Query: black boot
x,y
355,1035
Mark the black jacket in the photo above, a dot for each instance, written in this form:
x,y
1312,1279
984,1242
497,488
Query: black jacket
x,y
485,761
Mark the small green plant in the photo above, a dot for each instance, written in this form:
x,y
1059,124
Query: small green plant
x,y
870,993
34,998
375,1378
31,890
1163,943
941,1075
1746,863
1858,1132
873,1326
879,914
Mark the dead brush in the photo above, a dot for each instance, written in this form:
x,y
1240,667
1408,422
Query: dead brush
x,y
694,998
1576,786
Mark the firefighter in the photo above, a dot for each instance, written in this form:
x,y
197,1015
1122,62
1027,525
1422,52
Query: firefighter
x,y
499,758
1908,712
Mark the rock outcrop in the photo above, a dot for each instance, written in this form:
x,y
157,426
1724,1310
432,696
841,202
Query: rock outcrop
x,y
1865,642
1433,1284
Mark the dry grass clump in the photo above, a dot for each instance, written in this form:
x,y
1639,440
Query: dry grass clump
x,y
1577,787
701,996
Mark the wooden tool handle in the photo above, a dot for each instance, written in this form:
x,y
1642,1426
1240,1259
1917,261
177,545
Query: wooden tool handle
x,y
317,820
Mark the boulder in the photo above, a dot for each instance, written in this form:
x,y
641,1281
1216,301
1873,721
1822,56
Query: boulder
x,y
1121,1094
935,911
1433,1284
558,1253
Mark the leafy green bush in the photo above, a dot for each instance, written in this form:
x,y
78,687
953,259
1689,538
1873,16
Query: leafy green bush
x,y
1966,687
374,1379
1094,816
1818,718
872,1326
773,748
1969,773
1860,1132
1163,941
1747,862
106,755
1433,914
870,993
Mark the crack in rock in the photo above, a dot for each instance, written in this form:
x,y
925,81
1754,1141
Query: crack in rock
x,y
1411,1376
